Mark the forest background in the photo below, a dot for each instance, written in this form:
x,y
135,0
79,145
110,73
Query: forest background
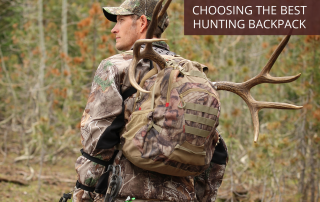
x,y
49,51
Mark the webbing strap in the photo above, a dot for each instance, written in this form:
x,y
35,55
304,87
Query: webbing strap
x,y
84,187
190,151
201,108
152,96
148,75
199,119
196,131
158,128
173,72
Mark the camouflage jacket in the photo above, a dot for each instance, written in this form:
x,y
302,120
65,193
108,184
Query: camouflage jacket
x,y
103,118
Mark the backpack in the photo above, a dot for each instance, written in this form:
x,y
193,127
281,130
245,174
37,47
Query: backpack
x,y
172,130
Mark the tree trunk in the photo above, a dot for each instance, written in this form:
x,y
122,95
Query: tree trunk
x,y
313,174
65,67
95,34
40,84
43,112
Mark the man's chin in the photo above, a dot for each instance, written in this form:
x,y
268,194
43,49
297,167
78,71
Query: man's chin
x,y
121,48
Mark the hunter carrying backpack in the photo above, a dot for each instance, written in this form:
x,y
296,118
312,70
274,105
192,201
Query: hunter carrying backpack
x,y
172,130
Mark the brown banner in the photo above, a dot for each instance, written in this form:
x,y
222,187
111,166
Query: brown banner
x,y
251,17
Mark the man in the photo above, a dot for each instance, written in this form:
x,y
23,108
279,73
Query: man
x,y
108,108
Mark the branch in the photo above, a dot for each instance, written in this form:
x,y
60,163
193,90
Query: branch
x,y
12,180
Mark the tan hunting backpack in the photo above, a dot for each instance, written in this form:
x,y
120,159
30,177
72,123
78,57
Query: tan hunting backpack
x,y
173,129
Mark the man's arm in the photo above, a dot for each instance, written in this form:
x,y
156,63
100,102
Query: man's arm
x,y
208,183
101,123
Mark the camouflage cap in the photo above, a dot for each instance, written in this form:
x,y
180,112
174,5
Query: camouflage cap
x,y
137,7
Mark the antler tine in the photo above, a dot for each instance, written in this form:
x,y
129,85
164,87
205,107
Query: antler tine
x,y
255,121
261,105
243,89
164,9
276,54
276,105
264,76
148,52
154,21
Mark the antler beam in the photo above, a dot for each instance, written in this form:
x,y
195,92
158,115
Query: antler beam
x,y
243,89
148,52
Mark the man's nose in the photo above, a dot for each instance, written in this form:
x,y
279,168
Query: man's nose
x,y
115,29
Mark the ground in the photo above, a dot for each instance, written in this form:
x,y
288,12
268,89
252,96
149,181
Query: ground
x,y
19,177
17,183
20,182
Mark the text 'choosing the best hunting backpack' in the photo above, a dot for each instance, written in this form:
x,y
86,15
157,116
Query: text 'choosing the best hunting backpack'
x,y
172,130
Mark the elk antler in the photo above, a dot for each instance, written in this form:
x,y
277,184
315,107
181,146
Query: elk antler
x,y
148,52
243,89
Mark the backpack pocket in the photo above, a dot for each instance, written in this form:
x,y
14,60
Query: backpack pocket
x,y
188,154
138,120
200,110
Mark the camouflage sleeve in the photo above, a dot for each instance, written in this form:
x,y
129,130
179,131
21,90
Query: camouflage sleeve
x,y
208,183
103,106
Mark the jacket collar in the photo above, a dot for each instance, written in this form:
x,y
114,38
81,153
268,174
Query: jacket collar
x,y
159,44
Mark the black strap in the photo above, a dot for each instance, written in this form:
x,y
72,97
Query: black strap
x,y
220,154
130,91
94,159
110,137
99,161
84,187
103,180
151,65
103,183
160,49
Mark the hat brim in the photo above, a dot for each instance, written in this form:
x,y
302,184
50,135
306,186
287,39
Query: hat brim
x,y
111,12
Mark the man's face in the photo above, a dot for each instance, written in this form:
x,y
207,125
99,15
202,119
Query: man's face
x,y
126,31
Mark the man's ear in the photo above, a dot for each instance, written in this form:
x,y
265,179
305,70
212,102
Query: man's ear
x,y
143,24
